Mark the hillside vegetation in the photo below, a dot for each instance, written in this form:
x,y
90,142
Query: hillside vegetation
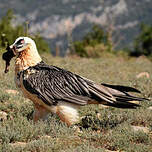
x,y
9,33
101,128
53,18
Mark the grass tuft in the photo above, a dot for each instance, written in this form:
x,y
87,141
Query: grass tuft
x,y
99,130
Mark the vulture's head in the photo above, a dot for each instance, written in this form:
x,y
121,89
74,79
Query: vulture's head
x,y
22,47
23,44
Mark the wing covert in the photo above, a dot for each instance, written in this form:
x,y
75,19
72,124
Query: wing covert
x,y
52,85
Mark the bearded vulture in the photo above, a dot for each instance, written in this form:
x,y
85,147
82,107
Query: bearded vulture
x,y
52,89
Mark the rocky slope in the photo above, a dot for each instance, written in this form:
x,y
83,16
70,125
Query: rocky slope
x,y
55,20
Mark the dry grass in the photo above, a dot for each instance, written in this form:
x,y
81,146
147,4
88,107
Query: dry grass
x,y
101,128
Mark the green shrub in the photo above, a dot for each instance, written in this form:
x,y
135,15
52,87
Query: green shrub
x,y
143,43
41,44
9,33
94,43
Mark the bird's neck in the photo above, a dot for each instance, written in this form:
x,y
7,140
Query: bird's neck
x,y
26,59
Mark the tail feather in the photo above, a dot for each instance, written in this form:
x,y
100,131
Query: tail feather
x,y
101,93
122,96
128,97
124,105
121,88
114,95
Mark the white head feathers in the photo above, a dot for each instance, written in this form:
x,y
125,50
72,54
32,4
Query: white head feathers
x,y
27,53
21,43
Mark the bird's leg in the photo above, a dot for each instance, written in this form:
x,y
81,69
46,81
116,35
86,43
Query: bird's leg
x,y
40,113
64,118
68,113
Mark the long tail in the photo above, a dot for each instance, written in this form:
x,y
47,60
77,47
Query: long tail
x,y
113,95
122,96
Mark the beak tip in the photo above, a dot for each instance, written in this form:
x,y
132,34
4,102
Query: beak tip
x,y
6,71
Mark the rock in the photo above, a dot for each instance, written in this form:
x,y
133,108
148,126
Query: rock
x,y
106,150
77,129
98,115
10,91
139,128
3,115
142,74
18,144
150,108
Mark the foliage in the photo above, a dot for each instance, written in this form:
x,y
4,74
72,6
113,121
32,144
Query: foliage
x,y
41,44
143,43
9,33
61,9
94,43
101,129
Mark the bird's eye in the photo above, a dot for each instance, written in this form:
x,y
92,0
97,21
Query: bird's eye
x,y
21,41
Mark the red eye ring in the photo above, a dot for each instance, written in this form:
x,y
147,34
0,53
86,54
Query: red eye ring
x,y
22,42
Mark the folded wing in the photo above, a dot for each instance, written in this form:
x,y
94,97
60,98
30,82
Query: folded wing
x,y
52,85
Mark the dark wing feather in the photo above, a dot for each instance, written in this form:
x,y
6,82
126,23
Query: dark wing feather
x,y
122,96
121,88
52,84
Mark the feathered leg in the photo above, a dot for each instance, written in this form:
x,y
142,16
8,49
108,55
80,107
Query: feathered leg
x,y
68,113
40,113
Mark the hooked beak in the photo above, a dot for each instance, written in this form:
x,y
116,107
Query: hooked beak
x,y
11,52
7,56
